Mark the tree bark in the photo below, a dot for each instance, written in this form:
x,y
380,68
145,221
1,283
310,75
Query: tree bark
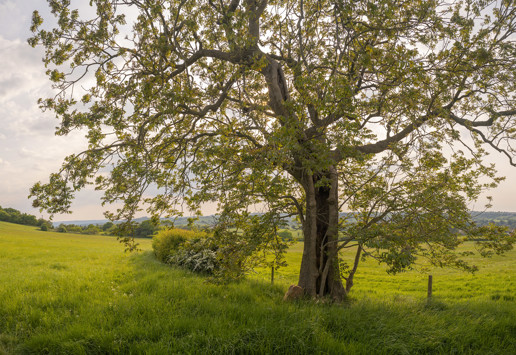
x,y
349,280
319,274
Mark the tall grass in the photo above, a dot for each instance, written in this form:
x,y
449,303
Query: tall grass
x,y
64,293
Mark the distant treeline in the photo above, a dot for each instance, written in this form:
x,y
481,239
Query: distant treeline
x,y
141,230
499,218
14,216
89,229
145,229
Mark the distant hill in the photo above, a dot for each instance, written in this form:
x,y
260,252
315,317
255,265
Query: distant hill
x,y
87,222
481,218
499,218
180,221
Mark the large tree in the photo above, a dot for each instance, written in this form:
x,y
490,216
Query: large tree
x,y
291,105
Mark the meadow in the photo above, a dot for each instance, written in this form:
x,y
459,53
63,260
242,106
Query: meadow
x,y
77,294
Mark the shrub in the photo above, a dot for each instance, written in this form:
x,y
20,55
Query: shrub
x,y
286,235
168,241
145,229
62,228
91,230
199,255
107,225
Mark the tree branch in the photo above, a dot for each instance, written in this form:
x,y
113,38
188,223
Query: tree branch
x,y
380,146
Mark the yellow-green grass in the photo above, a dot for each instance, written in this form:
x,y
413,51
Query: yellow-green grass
x,y
495,280
66,293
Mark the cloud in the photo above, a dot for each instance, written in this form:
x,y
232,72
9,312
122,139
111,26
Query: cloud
x,y
7,84
29,150
23,82
16,17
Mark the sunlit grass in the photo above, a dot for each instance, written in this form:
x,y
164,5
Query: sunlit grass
x,y
65,293
496,278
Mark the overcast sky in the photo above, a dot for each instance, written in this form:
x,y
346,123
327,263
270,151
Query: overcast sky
x,y
29,150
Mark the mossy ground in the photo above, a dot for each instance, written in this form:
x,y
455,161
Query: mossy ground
x,y
73,294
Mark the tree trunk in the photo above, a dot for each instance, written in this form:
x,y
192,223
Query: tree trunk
x,y
319,274
351,275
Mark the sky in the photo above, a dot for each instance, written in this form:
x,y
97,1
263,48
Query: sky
x,y
29,150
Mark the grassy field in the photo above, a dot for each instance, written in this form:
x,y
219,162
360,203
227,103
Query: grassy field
x,y
73,294
495,280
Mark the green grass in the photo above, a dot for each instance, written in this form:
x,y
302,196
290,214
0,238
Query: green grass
x,y
73,294
495,280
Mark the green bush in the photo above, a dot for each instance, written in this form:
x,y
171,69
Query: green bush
x,y
286,235
167,242
62,228
91,230
145,229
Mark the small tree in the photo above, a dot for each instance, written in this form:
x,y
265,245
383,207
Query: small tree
x,y
414,207
277,247
62,228
145,229
73,228
91,229
286,235
106,226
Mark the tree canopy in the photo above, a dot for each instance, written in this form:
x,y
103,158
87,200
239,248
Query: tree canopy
x,y
302,107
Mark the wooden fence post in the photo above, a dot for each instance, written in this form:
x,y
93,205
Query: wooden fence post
x,y
429,287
